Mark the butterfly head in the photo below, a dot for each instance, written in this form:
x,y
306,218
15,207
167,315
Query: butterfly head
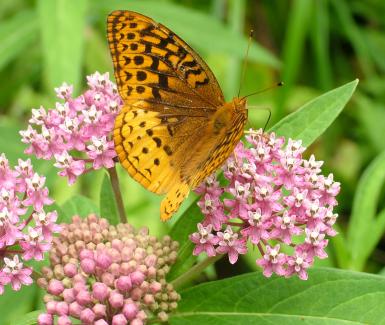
x,y
239,104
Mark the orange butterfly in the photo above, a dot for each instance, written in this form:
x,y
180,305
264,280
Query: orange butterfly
x,y
175,127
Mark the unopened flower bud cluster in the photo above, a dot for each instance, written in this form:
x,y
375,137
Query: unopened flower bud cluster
x,y
25,229
275,200
102,274
77,133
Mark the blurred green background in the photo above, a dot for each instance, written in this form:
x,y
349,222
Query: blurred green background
x,y
311,45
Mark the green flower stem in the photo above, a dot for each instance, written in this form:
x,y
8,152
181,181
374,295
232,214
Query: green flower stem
x,y
195,271
36,275
118,194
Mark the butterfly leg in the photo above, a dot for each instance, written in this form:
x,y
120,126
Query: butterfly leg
x,y
173,200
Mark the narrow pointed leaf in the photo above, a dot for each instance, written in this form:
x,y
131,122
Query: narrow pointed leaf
x,y
313,118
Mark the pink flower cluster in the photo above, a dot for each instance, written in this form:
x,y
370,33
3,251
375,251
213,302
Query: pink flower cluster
x,y
102,274
77,132
273,199
25,229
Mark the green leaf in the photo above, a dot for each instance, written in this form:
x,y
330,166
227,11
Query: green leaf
x,y
79,205
107,202
200,30
15,303
329,296
28,319
313,118
365,228
63,216
185,226
16,34
61,28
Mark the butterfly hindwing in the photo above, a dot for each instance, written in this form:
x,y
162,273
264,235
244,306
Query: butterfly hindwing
x,y
152,146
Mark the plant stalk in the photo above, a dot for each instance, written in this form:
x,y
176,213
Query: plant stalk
x,y
118,194
195,270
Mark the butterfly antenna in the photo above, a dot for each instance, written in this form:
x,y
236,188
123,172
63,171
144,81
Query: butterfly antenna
x,y
278,84
267,122
245,62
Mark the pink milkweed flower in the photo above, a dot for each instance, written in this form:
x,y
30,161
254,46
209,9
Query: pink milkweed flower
x,y
9,232
47,223
102,151
213,210
204,240
34,245
258,226
231,245
285,228
37,194
15,274
23,237
271,197
71,168
78,127
272,261
298,264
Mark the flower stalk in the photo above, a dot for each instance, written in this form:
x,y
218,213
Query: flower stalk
x,y
118,194
195,271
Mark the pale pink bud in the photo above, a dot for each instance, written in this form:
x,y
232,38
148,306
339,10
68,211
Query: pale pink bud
x,y
101,322
70,270
88,265
116,299
117,244
45,319
137,278
64,320
99,291
51,307
69,295
123,284
163,316
130,310
55,287
155,287
115,269
75,309
136,293
86,253
87,316
83,298
150,260
99,310
119,319
103,260
136,321
62,308
148,299
151,272
108,279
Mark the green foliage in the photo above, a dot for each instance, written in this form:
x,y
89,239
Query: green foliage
x,y
28,319
318,45
14,304
79,205
329,297
16,34
366,224
61,28
185,226
313,118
